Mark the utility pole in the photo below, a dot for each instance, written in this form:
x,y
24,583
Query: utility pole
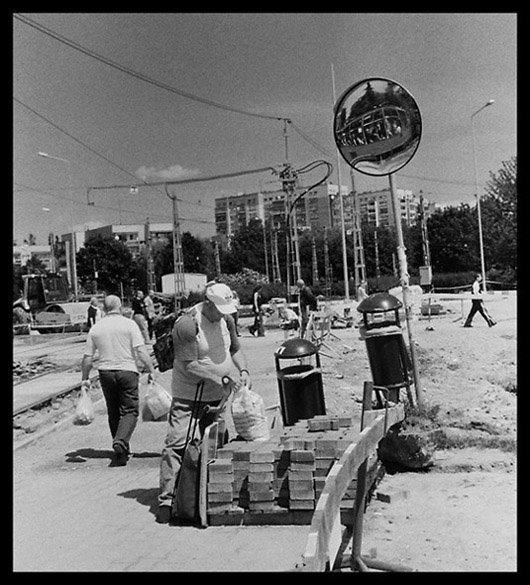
x,y
276,273
315,263
327,265
217,258
149,257
424,234
341,207
265,251
358,248
178,264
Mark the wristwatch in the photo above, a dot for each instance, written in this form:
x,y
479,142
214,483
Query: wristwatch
x,y
225,380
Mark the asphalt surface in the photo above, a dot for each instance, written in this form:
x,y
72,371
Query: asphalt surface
x,y
73,511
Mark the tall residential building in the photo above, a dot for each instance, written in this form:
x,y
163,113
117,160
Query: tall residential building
x,y
318,208
376,207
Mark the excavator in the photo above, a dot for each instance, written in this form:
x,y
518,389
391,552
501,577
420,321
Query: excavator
x,y
47,306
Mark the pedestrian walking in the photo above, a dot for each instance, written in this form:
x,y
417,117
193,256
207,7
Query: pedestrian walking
x,y
478,306
140,314
307,302
257,310
207,351
119,343
93,312
150,312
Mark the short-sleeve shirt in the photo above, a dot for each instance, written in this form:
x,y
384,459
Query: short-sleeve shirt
x,y
115,337
195,338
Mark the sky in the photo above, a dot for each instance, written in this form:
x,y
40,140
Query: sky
x,y
123,98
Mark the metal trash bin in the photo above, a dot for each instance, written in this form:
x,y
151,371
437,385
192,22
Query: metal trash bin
x,y
300,385
390,363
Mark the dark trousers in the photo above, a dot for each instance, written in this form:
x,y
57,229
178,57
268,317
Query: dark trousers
x,y
258,325
120,389
477,306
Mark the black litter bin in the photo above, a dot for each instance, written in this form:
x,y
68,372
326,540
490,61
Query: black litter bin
x,y
300,385
390,363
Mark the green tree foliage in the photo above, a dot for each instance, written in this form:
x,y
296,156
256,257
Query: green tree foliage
x,y
113,261
453,239
499,217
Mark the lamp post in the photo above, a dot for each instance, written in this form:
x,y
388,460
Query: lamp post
x,y
74,248
50,240
477,195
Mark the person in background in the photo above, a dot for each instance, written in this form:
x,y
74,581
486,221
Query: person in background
x,y
289,319
139,314
477,305
307,302
361,291
150,312
235,314
257,302
207,350
93,313
119,343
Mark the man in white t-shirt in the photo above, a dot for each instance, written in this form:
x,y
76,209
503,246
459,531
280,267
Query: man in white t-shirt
x,y
119,342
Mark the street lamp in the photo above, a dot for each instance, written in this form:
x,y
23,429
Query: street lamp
x,y
477,195
74,248
50,240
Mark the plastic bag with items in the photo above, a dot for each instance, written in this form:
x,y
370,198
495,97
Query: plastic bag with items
x,y
248,413
157,403
84,410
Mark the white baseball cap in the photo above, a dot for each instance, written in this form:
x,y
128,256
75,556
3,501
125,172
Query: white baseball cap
x,y
222,297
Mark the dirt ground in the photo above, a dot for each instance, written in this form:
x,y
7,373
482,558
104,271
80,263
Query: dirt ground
x,y
460,513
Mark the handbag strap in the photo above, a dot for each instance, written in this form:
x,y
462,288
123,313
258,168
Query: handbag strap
x,y
194,419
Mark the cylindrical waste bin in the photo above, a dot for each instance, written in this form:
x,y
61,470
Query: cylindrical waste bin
x,y
300,385
390,363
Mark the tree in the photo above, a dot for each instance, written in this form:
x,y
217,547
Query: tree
x,y
112,260
499,217
453,239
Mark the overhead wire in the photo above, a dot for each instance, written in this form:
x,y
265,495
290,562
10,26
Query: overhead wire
x,y
141,76
182,93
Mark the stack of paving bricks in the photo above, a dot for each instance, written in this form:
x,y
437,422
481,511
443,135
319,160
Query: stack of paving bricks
x,y
280,480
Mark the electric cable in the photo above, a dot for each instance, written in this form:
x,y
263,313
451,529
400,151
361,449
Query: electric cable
x,y
141,76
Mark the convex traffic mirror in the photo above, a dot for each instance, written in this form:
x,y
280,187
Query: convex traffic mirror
x,y
377,126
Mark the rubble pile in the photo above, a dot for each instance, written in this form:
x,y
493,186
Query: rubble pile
x,y
30,369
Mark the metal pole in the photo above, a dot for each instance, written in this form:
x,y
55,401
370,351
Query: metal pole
x,y
404,278
477,195
341,207
74,246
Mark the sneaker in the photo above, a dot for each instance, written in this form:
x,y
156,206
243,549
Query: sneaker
x,y
122,455
164,515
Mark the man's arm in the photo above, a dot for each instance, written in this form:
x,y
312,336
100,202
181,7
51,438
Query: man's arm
x,y
145,358
86,366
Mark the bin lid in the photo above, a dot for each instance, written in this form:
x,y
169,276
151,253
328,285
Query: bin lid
x,y
379,303
295,348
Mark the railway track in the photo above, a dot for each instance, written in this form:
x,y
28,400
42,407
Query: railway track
x,y
46,383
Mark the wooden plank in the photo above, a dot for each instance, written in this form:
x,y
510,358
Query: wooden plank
x,y
316,554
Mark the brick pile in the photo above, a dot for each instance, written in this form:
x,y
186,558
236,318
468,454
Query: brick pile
x,y
284,474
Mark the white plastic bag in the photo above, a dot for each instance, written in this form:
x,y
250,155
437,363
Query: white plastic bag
x,y
84,410
157,403
248,413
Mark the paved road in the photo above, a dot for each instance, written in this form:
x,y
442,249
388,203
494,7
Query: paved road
x,y
74,512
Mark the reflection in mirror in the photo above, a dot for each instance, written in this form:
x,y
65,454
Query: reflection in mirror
x,y
377,126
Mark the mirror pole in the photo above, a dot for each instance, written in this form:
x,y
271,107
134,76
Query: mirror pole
x,y
404,279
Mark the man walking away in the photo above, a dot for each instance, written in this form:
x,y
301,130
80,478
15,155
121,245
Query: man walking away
x,y
477,305
307,301
119,342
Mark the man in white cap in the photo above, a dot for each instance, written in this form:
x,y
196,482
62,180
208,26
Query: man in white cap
x,y
207,350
